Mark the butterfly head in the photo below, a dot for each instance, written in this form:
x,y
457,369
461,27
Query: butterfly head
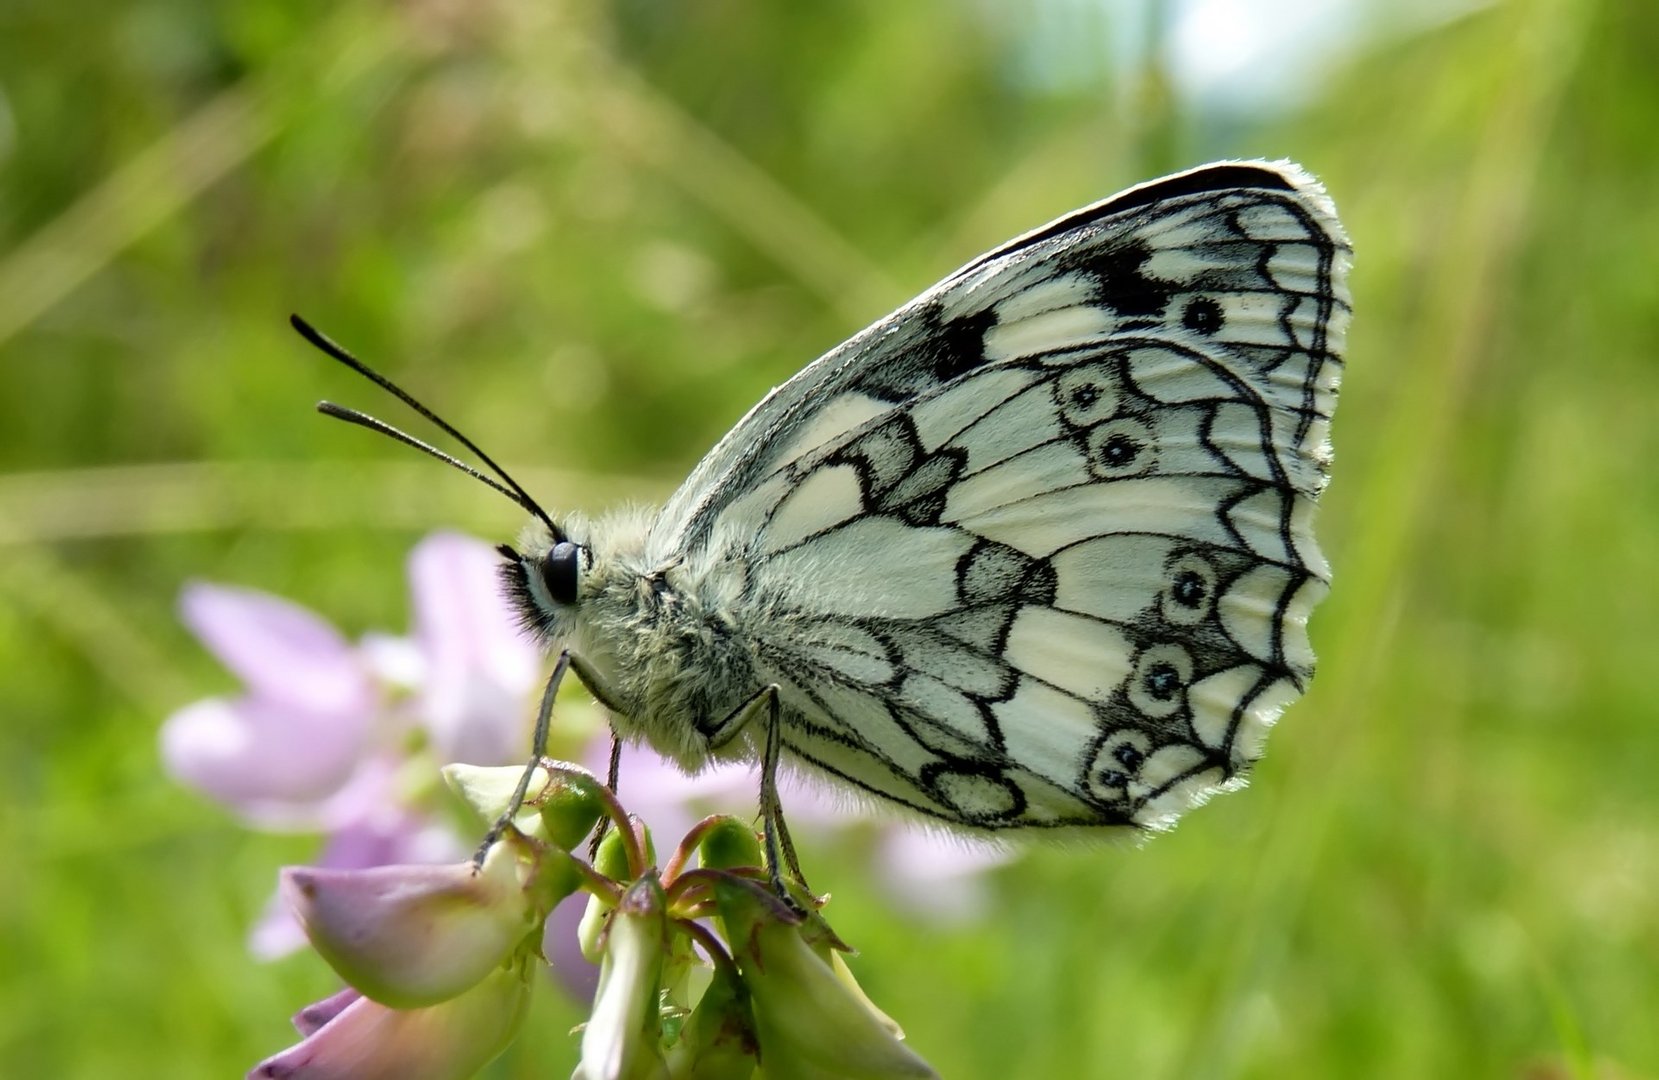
x,y
543,581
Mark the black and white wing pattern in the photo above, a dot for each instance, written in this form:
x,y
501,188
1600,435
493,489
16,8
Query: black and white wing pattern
x,y
1037,549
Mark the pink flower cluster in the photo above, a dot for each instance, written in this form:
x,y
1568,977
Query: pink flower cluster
x,y
439,958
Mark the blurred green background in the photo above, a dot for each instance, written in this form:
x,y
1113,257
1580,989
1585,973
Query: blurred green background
x,y
594,233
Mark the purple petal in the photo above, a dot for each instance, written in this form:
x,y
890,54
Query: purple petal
x,y
410,936
394,836
318,1013
363,1040
269,760
277,934
479,667
281,651
395,661
475,722
670,802
380,834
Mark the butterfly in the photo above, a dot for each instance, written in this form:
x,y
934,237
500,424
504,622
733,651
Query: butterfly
x,y
1033,552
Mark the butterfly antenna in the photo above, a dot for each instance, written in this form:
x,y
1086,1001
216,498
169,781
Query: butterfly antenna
x,y
364,420
511,489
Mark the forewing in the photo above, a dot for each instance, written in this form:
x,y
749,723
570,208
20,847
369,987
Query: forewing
x,y
1037,549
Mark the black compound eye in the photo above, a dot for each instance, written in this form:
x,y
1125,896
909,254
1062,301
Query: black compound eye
x,y
558,571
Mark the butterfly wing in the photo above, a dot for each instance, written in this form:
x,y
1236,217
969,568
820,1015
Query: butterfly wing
x,y
1036,550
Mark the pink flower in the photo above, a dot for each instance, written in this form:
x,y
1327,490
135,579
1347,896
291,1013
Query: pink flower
x,y
438,957
412,936
321,737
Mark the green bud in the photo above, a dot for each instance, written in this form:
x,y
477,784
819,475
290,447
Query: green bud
x,y
729,845
611,860
572,807
622,1035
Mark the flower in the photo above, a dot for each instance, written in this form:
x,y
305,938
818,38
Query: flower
x,y
339,737
438,957
296,739
409,936
623,1034
479,667
323,734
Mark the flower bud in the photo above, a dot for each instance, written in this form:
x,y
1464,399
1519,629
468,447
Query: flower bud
x,y
611,860
566,800
488,789
729,844
311,1018
621,1040
408,936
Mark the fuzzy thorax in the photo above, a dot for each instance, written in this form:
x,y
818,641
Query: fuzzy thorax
x,y
660,635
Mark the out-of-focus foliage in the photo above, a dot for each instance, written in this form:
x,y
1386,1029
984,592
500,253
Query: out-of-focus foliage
x,y
593,235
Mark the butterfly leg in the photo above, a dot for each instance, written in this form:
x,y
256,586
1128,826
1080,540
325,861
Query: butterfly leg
x,y
613,777
771,807
595,685
780,849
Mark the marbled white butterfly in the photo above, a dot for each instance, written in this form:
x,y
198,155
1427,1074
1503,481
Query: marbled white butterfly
x,y
1033,552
